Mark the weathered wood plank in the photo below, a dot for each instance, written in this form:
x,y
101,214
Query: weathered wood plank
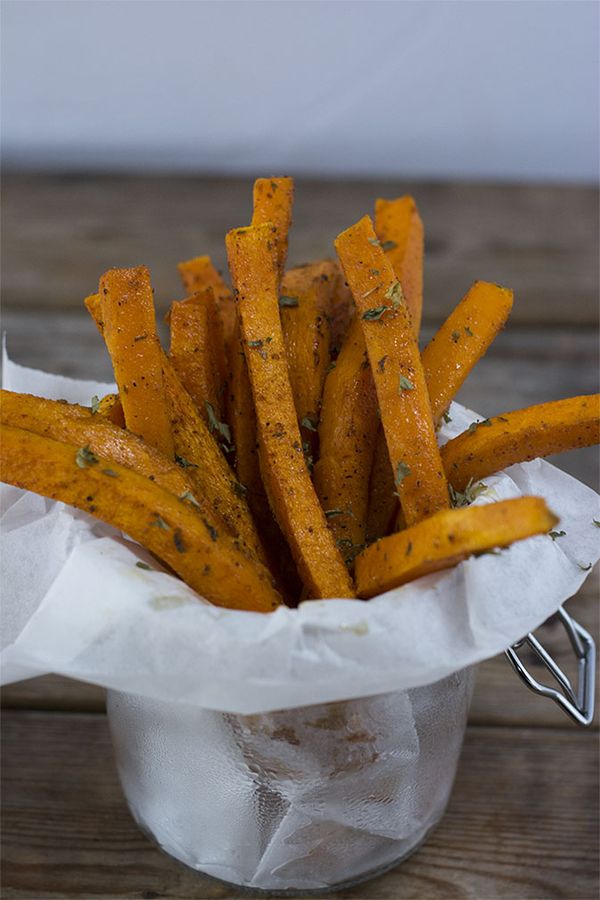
x,y
522,821
61,232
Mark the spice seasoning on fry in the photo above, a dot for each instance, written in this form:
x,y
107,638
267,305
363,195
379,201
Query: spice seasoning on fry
x,y
85,457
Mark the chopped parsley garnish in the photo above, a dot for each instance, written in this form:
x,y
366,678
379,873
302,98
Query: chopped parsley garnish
x,y
84,457
556,534
446,417
330,513
394,293
388,245
374,313
288,301
110,472
596,522
466,497
178,541
402,470
220,428
184,463
584,568
455,336
257,343
187,495
143,565
95,404
211,530
381,364
159,522
309,422
374,241
405,384
475,425
468,331
239,489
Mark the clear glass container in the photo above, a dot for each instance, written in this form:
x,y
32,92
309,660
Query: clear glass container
x,y
308,799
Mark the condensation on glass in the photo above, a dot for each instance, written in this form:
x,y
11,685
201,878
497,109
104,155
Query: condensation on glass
x,y
307,799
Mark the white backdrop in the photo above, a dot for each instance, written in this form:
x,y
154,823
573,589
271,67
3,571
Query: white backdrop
x,y
472,89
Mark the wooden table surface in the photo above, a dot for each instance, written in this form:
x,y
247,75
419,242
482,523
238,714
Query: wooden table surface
x,y
523,818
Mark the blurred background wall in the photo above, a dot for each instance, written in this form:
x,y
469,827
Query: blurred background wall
x,y
495,90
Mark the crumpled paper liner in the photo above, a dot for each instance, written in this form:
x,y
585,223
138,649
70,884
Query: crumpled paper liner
x,y
76,604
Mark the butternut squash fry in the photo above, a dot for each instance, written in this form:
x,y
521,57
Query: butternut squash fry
x,y
130,334
193,339
501,441
397,371
383,500
445,539
462,340
174,531
400,229
197,275
75,424
110,406
253,265
304,300
198,452
273,199
347,433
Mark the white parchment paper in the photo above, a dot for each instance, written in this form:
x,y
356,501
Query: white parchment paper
x,y
76,604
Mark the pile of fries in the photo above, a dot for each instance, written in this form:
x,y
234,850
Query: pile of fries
x,y
285,448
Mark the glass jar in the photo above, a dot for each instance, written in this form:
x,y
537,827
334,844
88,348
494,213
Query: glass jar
x,y
307,799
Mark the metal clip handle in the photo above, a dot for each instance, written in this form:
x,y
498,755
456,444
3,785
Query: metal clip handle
x,y
578,704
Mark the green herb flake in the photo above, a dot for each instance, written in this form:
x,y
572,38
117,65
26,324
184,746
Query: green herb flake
x,y
375,313
374,241
402,471
95,404
374,272
220,428
184,463
455,336
84,457
178,541
475,425
110,473
240,490
468,331
405,384
159,522
556,534
596,522
330,513
310,423
408,550
446,417
187,495
466,497
584,568
284,300
388,245
381,364
394,293
257,343
331,367
214,534
140,337
143,565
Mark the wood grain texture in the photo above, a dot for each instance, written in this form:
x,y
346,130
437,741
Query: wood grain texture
x,y
61,232
521,821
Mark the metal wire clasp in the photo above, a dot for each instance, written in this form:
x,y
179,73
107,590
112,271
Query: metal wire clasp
x,y
577,704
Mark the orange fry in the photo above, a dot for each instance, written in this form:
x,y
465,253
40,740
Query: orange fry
x,y
253,264
494,444
445,539
197,275
347,433
462,340
127,308
192,344
400,230
397,371
273,199
170,527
